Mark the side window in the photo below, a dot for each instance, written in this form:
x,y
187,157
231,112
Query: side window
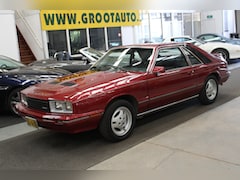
x,y
136,59
192,58
8,64
171,58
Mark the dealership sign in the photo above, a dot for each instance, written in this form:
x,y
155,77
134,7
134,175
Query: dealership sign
x,y
74,19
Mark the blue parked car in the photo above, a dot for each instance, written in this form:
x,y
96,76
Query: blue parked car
x,y
15,76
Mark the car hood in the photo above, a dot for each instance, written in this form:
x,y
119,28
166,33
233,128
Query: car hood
x,y
34,74
32,70
214,45
82,85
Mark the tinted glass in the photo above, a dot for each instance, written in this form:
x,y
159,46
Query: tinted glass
x,y
171,58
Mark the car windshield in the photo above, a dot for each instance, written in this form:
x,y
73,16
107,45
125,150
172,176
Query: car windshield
x,y
125,59
196,42
91,53
7,63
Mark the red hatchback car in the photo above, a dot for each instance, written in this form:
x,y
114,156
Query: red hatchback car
x,y
127,82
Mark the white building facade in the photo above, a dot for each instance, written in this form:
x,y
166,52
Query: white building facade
x,y
154,26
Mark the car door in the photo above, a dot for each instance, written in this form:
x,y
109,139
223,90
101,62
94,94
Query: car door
x,y
176,83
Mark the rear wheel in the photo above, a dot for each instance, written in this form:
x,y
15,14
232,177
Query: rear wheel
x,y
223,52
118,121
210,91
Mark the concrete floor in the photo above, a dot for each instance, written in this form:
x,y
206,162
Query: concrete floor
x,y
206,146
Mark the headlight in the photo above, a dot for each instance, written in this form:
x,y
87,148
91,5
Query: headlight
x,y
60,106
24,99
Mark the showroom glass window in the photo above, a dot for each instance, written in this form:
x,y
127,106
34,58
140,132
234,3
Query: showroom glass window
x,y
114,36
155,27
187,25
78,40
57,41
144,29
177,24
97,38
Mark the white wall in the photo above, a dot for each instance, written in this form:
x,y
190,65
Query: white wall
x,y
237,15
128,35
229,22
29,24
212,22
8,35
222,22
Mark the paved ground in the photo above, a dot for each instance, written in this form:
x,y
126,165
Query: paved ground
x,y
193,141
206,146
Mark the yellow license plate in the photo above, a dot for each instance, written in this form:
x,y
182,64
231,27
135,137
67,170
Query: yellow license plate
x,y
31,122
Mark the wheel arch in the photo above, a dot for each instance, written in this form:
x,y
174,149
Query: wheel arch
x,y
131,99
9,93
216,75
222,49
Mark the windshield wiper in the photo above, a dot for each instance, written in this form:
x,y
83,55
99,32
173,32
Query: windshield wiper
x,y
106,67
115,67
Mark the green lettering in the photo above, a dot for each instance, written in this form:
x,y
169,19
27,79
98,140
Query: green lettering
x,y
84,18
106,17
91,18
128,18
72,18
123,17
98,18
133,17
117,19
61,18
112,16
49,19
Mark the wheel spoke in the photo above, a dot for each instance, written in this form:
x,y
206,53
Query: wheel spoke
x,y
211,89
121,121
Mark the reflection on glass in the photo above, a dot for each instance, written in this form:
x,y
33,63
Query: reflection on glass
x,y
78,40
114,36
97,38
57,42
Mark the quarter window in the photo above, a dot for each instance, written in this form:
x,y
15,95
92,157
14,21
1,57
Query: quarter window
x,y
192,58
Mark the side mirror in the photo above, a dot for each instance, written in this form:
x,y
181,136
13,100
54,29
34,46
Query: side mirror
x,y
158,70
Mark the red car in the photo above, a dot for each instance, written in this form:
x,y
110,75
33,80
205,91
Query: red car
x,y
127,82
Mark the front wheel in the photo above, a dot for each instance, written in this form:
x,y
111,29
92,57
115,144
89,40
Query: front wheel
x,y
118,121
13,99
210,91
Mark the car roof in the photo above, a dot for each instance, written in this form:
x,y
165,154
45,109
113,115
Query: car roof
x,y
153,45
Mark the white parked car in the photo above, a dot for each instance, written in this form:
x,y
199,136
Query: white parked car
x,y
228,51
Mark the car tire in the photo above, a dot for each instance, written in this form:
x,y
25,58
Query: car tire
x,y
209,91
13,98
223,52
118,121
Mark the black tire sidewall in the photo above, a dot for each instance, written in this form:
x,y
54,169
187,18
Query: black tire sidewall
x,y
9,100
105,124
222,51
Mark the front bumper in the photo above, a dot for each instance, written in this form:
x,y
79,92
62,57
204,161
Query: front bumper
x,y
67,123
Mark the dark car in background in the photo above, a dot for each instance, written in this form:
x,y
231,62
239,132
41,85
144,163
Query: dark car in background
x,y
69,65
212,37
86,54
15,76
78,62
